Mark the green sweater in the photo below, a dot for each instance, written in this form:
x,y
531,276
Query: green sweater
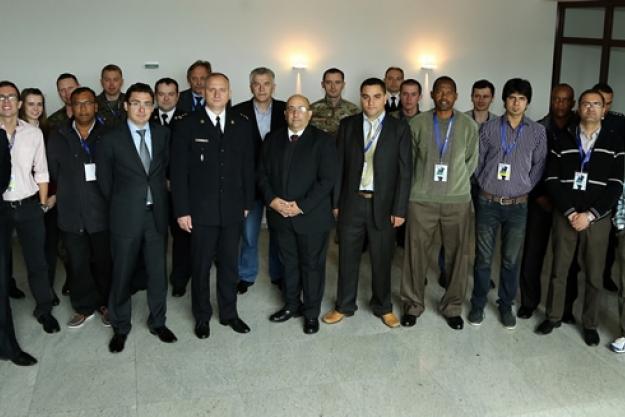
x,y
461,158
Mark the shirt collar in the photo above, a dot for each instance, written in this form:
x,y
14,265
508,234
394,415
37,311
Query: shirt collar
x,y
133,127
258,110
213,116
78,132
377,120
298,133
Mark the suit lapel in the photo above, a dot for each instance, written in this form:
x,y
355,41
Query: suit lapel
x,y
157,147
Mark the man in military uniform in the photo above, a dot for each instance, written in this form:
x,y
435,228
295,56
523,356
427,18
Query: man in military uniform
x,y
212,183
111,111
328,112
65,84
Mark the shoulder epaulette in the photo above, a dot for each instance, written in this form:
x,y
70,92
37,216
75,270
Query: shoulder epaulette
x,y
181,116
244,116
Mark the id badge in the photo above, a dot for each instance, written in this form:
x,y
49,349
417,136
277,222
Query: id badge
x,y
11,186
504,171
579,181
90,172
440,173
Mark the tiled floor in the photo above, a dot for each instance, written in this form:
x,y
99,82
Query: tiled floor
x,y
356,368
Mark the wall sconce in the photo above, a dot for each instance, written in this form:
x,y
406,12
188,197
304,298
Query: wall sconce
x,y
428,63
299,65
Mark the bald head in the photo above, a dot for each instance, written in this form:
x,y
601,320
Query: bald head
x,y
297,112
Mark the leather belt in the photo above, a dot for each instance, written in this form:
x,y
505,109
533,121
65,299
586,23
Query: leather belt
x,y
504,201
366,194
17,203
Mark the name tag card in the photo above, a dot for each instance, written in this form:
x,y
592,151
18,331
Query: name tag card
x,y
579,181
504,171
440,173
90,172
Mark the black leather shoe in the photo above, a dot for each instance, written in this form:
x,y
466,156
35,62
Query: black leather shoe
x,y
178,292
408,320
283,315
242,286
609,284
591,337
24,359
236,324
547,326
524,312
49,323
65,289
202,330
455,322
568,317
311,326
278,283
55,299
164,334
15,292
117,343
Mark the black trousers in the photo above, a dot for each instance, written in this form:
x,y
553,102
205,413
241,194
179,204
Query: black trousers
x,y
9,348
126,251
27,220
537,232
181,266
209,243
90,263
304,258
352,232
55,247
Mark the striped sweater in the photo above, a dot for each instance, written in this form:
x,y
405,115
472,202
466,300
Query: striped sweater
x,y
605,173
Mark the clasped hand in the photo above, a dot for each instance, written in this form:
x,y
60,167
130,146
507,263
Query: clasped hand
x,y
285,208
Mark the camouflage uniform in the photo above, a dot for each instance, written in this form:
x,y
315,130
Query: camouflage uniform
x,y
111,114
58,118
398,114
327,118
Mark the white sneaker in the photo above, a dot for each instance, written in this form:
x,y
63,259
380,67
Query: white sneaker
x,y
618,346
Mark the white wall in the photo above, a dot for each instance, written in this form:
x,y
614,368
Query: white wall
x,y
469,39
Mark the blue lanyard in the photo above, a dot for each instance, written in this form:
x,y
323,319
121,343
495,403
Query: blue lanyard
x,y
585,156
505,147
442,146
374,138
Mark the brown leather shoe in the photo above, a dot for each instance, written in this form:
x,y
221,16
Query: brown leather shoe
x,y
390,320
334,316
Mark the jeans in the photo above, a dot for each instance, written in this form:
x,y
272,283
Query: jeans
x,y
511,218
248,253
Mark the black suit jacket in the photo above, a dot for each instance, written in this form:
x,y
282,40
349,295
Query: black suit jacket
x,y
81,205
392,168
387,106
124,183
307,178
185,102
156,118
278,120
212,177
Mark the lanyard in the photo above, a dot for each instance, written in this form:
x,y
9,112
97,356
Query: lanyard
x,y
374,138
585,156
505,146
85,147
442,146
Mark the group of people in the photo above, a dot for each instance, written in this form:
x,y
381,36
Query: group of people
x,y
108,177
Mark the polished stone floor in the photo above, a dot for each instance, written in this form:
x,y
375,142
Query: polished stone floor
x,y
355,368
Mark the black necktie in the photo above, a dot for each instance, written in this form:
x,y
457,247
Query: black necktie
x,y
164,117
294,138
218,126
393,103
198,103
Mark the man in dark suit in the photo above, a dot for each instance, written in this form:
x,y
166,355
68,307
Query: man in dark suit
x,y
131,171
192,99
296,174
370,199
393,77
167,114
9,348
266,115
212,182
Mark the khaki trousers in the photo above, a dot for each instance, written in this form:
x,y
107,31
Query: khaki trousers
x,y
451,224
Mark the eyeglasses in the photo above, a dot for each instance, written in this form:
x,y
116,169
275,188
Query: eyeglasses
x,y
298,109
138,104
11,97
591,104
